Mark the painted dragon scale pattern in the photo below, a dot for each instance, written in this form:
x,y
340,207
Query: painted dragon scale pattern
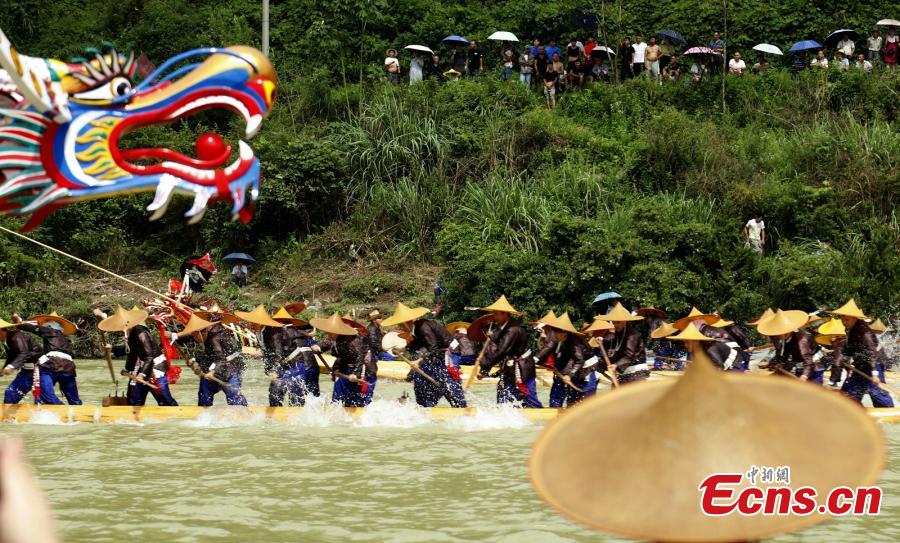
x,y
61,123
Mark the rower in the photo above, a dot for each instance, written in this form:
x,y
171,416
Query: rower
x,y
374,336
736,338
626,351
508,347
795,347
565,353
302,373
57,361
462,349
832,334
354,372
666,352
429,343
22,355
724,353
221,361
274,351
862,347
145,360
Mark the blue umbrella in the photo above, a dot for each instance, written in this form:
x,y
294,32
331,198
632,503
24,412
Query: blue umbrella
x,y
607,296
242,257
455,40
673,35
805,45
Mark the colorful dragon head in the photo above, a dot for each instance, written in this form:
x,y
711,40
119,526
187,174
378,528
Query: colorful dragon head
x,y
61,124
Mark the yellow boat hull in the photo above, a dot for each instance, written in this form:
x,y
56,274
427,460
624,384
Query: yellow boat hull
x,y
26,413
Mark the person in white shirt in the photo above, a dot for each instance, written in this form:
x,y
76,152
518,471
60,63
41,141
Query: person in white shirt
x,y
640,49
846,45
737,66
755,233
862,63
841,61
415,69
392,66
820,61
874,44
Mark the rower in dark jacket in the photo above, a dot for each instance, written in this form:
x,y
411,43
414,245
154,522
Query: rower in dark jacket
x,y
374,336
144,358
565,352
862,347
354,372
736,338
300,375
22,355
221,358
508,347
275,345
57,361
795,347
430,345
626,350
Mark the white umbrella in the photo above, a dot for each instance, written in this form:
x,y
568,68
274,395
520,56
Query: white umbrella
x,y
888,22
419,48
767,48
502,35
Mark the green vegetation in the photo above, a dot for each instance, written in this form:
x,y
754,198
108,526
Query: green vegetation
x,y
638,188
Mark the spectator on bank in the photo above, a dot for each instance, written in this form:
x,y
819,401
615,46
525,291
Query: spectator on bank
x,y
798,65
891,49
863,64
846,45
699,68
600,71
755,233
526,67
560,71
737,66
873,44
666,52
588,47
549,80
717,44
475,63
640,51
552,48
240,274
841,61
820,62
651,59
576,75
573,51
508,64
392,66
435,70
535,43
415,69
540,64
672,71
761,64
459,60
626,60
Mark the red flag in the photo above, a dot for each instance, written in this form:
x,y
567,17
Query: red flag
x,y
170,351
204,262
551,361
455,374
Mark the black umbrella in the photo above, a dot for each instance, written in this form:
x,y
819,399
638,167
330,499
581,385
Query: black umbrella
x,y
838,35
674,36
240,257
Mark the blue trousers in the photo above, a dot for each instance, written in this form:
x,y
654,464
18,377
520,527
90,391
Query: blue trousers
x,y
510,393
66,383
460,360
817,376
350,395
233,394
297,381
428,395
21,385
137,393
856,386
562,394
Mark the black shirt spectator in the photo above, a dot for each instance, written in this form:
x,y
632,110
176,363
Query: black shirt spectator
x,y
540,63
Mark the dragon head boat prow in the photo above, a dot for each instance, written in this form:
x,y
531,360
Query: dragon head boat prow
x,y
61,125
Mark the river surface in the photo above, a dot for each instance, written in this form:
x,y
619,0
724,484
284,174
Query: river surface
x,y
392,475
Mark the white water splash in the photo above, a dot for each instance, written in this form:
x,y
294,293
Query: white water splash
x,y
319,413
490,418
225,417
392,414
45,417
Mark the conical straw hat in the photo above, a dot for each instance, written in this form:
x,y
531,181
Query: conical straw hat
x,y
833,327
783,322
691,333
393,340
334,325
216,312
815,318
360,328
480,327
619,314
196,324
826,340
675,434
850,309
721,323
548,316
651,312
258,316
765,315
502,305
123,320
599,325
68,327
878,327
695,314
457,326
4,324
665,330
404,313
564,323
284,316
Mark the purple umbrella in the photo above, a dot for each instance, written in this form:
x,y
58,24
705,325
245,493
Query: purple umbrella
x,y
699,51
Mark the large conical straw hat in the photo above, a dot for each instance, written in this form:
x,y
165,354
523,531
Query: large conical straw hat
x,y
258,316
675,434
216,313
765,315
695,314
878,327
564,323
404,313
833,327
334,325
68,327
548,316
195,324
502,305
4,324
665,330
123,319
284,316
598,325
721,323
458,326
783,322
850,309
690,333
619,314
480,327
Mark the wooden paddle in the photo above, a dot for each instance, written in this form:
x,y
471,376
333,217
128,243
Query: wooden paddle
x,y
107,353
871,379
138,378
614,379
196,369
761,348
557,373
322,359
476,369
416,368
